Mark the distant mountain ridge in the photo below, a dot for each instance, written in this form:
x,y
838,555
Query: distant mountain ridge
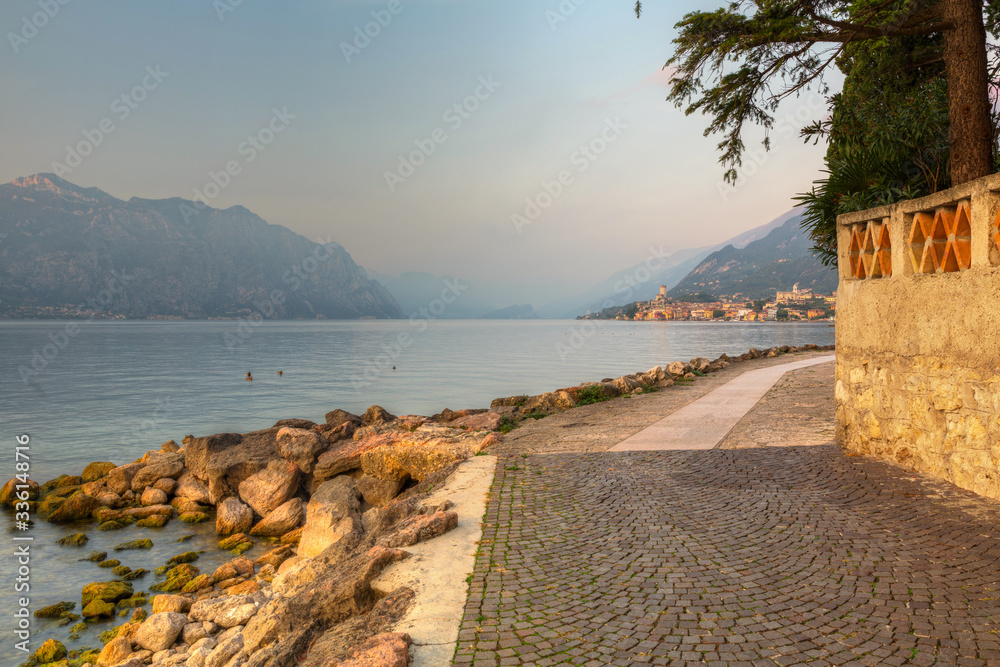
x,y
773,263
68,245
638,283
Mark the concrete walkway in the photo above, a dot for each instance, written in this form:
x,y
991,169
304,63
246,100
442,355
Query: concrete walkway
x,y
704,423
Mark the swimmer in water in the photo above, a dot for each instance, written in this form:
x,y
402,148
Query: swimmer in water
x,y
249,377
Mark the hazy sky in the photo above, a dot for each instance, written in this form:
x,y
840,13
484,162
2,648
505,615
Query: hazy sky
x,y
535,81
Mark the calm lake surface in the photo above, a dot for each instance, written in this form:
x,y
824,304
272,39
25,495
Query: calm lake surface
x,y
116,389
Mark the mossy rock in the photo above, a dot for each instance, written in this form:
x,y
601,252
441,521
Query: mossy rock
x,y
109,563
77,630
99,609
60,482
233,541
177,578
97,556
69,616
108,591
193,517
154,521
162,569
74,540
121,570
48,506
241,548
102,514
50,651
96,471
198,583
54,610
108,635
186,557
144,543
111,525
137,600
135,574
185,538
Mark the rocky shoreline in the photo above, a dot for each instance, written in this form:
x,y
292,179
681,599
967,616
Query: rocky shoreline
x,y
339,501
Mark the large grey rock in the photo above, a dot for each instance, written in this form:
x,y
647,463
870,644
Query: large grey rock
x,y
282,520
301,447
233,517
222,461
333,512
160,631
271,487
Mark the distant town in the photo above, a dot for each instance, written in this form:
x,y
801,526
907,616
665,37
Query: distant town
x,y
798,305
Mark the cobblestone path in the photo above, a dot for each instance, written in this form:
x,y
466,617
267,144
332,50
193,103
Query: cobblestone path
x,y
741,557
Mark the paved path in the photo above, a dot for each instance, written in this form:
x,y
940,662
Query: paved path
x,y
704,423
769,555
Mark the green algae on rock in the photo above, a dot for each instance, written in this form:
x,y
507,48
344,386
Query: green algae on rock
x,y
144,543
74,540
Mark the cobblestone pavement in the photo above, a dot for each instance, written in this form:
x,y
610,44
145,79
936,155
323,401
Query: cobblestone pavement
x,y
731,557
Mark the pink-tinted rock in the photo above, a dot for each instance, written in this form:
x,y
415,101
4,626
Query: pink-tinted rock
x,y
484,421
272,487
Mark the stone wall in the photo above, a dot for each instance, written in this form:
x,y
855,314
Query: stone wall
x,y
918,334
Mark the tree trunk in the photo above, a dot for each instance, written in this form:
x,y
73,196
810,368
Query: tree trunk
x,y
968,91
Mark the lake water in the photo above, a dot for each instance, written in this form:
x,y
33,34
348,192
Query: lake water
x,y
109,391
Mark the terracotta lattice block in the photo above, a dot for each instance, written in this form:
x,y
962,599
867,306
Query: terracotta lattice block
x,y
996,226
958,249
919,231
857,265
868,250
883,250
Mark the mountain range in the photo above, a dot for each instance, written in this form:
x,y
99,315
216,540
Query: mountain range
x,y
65,247
774,263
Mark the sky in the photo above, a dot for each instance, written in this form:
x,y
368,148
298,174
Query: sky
x,y
524,145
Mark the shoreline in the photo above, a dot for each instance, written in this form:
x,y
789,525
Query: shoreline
x,y
347,491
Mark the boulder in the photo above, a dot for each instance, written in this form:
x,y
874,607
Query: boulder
x,y
149,510
170,446
98,609
193,517
484,421
626,384
167,485
338,418
160,631
224,460
108,591
420,528
271,487
74,540
301,447
109,499
225,651
379,492
676,368
235,614
77,507
397,455
115,652
333,512
281,520
96,471
50,651
153,496
391,649
119,480
552,401
274,558
295,423
508,402
233,517
193,632
377,415
9,494
701,364
189,487
164,465
175,603
185,505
